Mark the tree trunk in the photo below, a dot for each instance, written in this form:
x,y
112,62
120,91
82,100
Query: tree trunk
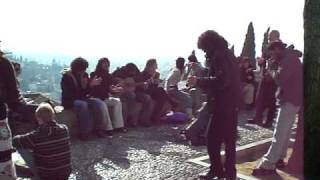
x,y
312,88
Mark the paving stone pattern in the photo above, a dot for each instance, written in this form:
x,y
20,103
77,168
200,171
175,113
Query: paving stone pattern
x,y
148,153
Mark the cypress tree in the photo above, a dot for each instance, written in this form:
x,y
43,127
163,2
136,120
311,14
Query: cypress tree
x,y
232,49
264,47
311,88
249,46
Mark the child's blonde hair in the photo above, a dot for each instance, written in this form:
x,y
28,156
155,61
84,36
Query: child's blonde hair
x,y
45,112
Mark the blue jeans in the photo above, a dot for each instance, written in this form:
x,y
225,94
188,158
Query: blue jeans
x,y
91,114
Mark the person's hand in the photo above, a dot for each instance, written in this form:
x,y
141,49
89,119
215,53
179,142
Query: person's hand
x,y
193,65
95,81
249,70
261,61
192,80
145,85
116,89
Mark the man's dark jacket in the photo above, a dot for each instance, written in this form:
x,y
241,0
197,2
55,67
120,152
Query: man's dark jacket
x,y
72,89
9,91
103,90
222,85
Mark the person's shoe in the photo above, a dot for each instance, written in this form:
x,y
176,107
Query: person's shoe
x,y
121,130
208,176
280,164
23,171
263,172
108,134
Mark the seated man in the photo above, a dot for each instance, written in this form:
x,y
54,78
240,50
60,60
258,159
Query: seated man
x,y
49,144
183,99
194,68
133,84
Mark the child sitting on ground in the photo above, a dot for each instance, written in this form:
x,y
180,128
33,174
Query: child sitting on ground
x,y
49,146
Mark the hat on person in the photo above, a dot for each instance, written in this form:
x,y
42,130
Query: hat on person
x,y
192,57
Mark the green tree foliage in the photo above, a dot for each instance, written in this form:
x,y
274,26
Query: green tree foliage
x,y
264,47
232,48
312,88
249,46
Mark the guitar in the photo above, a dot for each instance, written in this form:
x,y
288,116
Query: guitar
x,y
130,85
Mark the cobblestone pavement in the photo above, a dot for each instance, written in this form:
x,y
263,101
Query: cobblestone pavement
x,y
148,153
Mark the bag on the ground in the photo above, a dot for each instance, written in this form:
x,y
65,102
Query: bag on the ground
x,y
175,117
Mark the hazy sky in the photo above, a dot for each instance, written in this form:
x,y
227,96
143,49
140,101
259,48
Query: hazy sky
x,y
141,28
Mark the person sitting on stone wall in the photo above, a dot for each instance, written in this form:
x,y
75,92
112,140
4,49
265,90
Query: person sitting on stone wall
x,y
194,68
183,99
158,94
133,96
103,91
91,112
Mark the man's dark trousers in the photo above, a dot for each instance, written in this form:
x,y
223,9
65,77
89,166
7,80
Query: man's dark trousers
x,y
266,99
223,130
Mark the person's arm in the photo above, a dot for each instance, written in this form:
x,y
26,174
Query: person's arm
x,y
14,98
206,82
172,79
284,72
25,141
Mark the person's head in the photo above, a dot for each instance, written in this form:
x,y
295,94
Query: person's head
x,y
180,63
79,65
17,68
103,65
274,36
44,113
131,69
192,57
276,49
151,66
211,42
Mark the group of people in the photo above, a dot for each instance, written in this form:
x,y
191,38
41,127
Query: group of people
x,y
93,97
104,101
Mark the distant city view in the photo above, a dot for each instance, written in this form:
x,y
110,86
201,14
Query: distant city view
x,y
43,75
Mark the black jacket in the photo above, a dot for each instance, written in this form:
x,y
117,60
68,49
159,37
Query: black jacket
x,y
101,91
72,89
222,85
9,91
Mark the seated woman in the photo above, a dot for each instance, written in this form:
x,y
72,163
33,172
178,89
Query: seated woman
x,y
102,92
171,85
75,86
158,94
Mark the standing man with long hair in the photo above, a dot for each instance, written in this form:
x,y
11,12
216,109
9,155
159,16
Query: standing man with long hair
x,y
222,85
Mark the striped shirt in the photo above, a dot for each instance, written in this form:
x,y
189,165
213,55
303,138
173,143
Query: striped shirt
x,y
50,144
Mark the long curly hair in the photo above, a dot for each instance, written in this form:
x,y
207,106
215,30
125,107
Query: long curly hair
x,y
99,64
79,64
210,41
